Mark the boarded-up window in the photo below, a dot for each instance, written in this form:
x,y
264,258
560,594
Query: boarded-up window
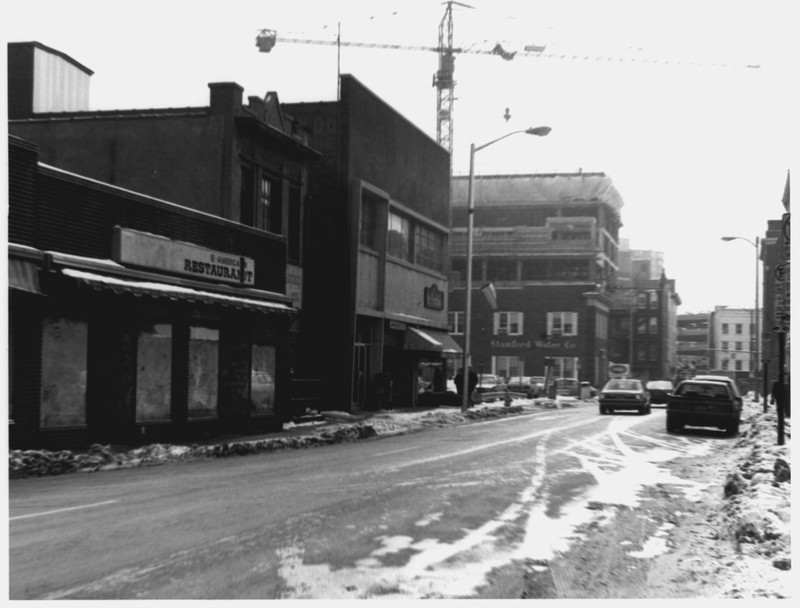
x,y
262,379
203,372
154,373
64,346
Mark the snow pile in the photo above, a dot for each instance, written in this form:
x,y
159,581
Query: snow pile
x,y
757,509
339,427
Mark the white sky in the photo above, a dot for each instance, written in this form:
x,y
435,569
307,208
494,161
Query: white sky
x,y
696,152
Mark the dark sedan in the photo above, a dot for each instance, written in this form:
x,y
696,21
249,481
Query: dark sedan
x,y
659,390
623,394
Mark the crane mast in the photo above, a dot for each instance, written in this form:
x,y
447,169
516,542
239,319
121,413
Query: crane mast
x,y
444,80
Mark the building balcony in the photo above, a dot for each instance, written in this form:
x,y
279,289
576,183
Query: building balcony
x,y
523,240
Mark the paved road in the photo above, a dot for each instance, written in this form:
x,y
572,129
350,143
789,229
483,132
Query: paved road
x,y
429,514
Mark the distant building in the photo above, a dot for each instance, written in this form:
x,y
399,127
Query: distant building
x,y
644,315
732,344
548,243
693,354
638,264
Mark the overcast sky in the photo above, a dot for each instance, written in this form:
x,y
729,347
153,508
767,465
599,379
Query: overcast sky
x,y
696,151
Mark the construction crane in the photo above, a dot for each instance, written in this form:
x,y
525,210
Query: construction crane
x,y
443,79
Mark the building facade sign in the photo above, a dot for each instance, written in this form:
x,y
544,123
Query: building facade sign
x,y
543,344
294,285
434,298
148,250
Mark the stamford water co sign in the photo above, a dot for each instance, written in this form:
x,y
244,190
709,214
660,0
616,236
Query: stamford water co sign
x,y
136,248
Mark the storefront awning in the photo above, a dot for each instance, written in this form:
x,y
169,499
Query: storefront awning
x,y
174,292
24,276
431,340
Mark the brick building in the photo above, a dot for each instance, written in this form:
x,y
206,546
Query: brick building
x,y
549,244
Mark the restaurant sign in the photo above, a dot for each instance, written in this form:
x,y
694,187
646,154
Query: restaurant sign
x,y
135,248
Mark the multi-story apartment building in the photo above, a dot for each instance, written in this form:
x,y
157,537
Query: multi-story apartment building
x,y
693,354
548,243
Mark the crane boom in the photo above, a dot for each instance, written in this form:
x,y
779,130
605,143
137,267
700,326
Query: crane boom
x,y
443,79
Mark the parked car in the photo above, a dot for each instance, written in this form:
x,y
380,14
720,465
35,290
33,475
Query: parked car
x,y
567,387
530,386
624,394
704,403
659,391
489,383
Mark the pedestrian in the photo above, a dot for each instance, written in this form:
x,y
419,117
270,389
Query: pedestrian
x,y
472,382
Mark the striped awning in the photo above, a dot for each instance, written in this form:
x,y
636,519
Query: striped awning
x,y
24,276
155,289
432,340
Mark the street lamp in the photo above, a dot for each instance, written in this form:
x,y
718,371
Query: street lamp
x,y
541,132
756,325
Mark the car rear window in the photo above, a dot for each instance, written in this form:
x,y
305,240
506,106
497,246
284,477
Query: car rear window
x,y
623,385
719,391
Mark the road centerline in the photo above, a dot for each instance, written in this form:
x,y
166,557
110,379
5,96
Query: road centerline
x,y
63,510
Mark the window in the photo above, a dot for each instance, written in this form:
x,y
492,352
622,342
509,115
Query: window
x,y
368,222
725,345
261,200
653,299
154,372
294,233
601,326
64,355
725,364
738,345
428,248
508,323
203,372
641,300
652,325
399,237
641,325
270,212
738,366
738,329
725,328
507,367
262,379
501,270
564,367
562,323
569,270
455,322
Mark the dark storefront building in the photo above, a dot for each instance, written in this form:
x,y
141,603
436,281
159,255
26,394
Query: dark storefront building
x,y
375,284
245,162
136,320
548,244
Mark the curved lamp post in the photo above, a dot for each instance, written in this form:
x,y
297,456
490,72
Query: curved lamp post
x,y
756,325
541,132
